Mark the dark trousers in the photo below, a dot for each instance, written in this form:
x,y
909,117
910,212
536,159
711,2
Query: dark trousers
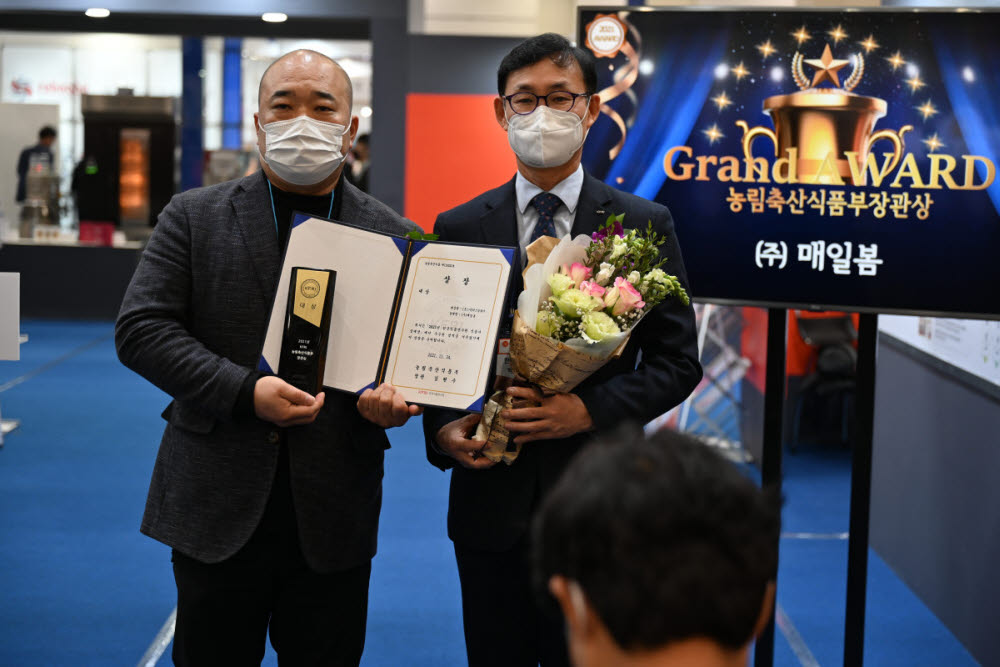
x,y
505,626
224,610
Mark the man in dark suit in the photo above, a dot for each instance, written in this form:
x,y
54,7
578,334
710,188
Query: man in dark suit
x,y
546,104
269,496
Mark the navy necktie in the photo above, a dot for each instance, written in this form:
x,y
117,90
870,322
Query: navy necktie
x,y
546,204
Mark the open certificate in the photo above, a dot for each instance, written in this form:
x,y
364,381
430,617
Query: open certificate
x,y
420,315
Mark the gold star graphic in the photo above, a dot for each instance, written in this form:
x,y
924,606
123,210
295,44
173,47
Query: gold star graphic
x,y
721,101
713,134
837,34
896,60
915,84
826,68
766,49
926,109
740,71
801,35
869,44
933,143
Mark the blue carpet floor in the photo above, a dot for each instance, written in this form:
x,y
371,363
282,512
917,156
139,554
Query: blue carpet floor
x,y
81,586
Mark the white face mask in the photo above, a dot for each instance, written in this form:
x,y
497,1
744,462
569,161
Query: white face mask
x,y
545,137
303,150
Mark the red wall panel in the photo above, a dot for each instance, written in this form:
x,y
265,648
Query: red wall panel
x,y
455,150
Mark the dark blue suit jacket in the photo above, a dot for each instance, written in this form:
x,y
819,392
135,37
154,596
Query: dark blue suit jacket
x,y
491,509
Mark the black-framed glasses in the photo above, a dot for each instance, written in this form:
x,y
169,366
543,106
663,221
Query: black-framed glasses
x,y
524,103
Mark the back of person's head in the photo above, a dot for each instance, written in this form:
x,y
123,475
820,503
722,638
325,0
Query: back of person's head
x,y
554,47
663,539
47,132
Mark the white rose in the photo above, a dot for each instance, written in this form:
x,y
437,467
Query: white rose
x,y
619,247
604,274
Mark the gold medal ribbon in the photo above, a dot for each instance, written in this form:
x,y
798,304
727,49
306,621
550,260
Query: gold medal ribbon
x,y
623,79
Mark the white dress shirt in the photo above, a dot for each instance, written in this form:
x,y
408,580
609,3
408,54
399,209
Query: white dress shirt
x,y
568,190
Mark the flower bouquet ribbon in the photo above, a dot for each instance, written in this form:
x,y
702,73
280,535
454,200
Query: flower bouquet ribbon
x,y
582,298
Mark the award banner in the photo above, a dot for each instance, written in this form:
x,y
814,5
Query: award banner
x,y
818,159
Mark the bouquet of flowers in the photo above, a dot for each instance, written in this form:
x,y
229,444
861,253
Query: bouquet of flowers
x,y
581,299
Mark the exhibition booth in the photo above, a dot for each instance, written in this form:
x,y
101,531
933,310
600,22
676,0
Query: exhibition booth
x,y
117,104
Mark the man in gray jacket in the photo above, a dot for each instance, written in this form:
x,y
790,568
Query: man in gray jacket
x,y
269,496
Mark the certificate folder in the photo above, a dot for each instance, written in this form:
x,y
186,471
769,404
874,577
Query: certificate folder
x,y
421,315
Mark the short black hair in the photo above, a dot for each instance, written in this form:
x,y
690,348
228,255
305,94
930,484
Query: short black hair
x,y
668,540
46,132
554,47
363,139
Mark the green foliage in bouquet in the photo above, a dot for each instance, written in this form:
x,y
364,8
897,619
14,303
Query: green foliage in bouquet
x,y
613,253
416,235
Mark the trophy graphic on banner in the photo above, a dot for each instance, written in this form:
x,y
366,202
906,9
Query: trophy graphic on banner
x,y
826,133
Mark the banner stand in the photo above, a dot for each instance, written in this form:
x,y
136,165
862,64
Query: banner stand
x,y
861,473
774,399
861,490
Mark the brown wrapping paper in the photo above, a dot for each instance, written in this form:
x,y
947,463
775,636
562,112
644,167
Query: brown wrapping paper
x,y
550,364
544,362
499,443
539,249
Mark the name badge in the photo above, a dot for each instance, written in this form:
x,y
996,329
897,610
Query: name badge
x,y
504,369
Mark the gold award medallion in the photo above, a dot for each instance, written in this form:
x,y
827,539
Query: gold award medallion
x,y
605,35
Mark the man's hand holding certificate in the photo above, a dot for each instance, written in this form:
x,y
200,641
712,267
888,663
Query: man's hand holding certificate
x,y
412,321
386,407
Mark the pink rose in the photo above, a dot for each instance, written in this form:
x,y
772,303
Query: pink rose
x,y
578,272
627,298
591,288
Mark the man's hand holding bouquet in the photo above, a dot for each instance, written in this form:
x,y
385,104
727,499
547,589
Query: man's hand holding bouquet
x,y
582,297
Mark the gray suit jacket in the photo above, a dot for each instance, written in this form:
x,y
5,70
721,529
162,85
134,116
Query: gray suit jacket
x,y
192,323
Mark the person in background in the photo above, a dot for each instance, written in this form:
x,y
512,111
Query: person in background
x,y
91,187
268,496
362,161
659,552
546,103
43,149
